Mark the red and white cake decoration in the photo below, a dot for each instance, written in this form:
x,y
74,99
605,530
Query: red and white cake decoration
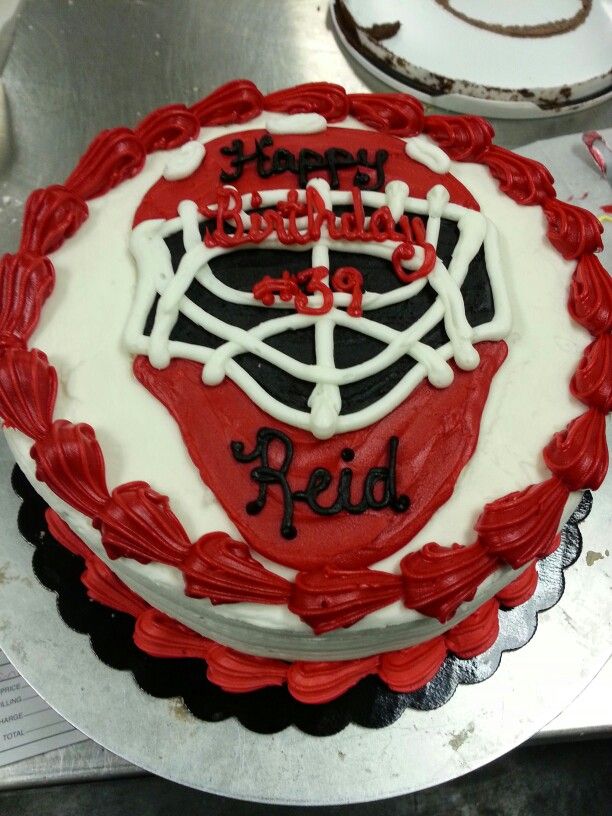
x,y
323,305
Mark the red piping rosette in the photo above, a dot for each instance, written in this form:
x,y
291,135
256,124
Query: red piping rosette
x,y
222,569
463,138
26,281
578,455
237,672
524,180
64,535
398,114
51,215
70,461
324,98
160,636
437,580
590,300
113,156
167,128
522,588
234,102
312,682
138,523
571,230
103,586
522,525
592,382
328,598
410,669
28,387
476,633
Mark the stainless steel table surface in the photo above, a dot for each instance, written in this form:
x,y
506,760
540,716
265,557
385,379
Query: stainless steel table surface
x,y
78,66
88,761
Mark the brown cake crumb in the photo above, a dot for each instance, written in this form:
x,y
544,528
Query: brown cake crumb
x,y
383,31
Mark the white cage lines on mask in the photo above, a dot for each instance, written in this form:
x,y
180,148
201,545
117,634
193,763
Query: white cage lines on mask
x,y
157,279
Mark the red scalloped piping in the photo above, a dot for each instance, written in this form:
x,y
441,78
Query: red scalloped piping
x,y
234,102
523,525
321,682
590,298
463,138
524,180
103,585
571,230
410,669
26,281
329,598
167,128
521,589
222,569
64,534
51,215
241,673
476,633
398,114
28,387
161,636
113,156
70,461
592,382
157,634
578,456
437,580
138,523
324,98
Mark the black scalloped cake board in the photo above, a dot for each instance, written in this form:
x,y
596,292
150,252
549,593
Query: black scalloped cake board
x,y
370,703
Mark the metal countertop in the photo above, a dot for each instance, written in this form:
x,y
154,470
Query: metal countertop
x,y
78,66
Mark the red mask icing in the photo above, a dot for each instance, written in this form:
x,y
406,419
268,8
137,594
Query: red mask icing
x,y
437,429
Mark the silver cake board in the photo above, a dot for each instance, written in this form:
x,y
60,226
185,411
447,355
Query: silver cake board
x,y
479,723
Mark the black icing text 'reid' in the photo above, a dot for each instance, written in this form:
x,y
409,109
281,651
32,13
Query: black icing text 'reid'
x,y
379,488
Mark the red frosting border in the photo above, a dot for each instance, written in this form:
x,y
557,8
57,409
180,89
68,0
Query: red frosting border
x,y
313,682
137,522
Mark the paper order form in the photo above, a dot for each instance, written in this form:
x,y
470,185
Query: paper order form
x,y
28,726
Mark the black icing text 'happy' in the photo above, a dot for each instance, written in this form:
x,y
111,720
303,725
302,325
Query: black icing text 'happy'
x,y
304,163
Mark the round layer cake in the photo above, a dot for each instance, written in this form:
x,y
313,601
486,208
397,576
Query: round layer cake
x,y
299,370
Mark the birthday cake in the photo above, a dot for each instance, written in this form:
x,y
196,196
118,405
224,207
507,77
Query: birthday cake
x,y
310,380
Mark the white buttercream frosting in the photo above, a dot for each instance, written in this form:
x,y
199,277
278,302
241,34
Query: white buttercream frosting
x,y
184,161
300,123
423,150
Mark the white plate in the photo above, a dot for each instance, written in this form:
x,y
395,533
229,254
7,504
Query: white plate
x,y
8,18
447,62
